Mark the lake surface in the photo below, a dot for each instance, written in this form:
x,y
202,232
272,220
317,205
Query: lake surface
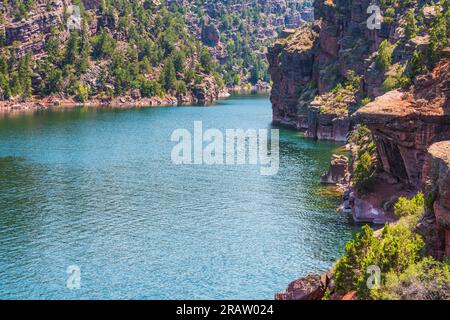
x,y
97,189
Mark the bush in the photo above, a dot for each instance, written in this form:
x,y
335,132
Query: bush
x,y
417,64
168,76
391,83
349,271
81,92
410,207
353,81
365,101
104,45
151,89
399,248
396,250
364,168
396,80
360,135
426,280
206,60
389,15
4,87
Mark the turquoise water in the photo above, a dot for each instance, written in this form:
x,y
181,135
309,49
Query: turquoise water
x,y
97,189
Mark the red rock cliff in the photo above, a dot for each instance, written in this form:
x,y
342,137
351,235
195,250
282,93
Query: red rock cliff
x,y
314,59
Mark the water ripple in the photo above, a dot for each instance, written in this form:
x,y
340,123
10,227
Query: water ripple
x,y
96,188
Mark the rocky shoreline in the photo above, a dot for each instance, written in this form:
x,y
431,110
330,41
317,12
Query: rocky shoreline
x,y
11,107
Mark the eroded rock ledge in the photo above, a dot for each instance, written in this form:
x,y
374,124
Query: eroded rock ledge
x,y
406,124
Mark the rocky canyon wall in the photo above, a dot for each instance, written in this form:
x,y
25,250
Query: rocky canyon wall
x,y
412,133
406,124
311,61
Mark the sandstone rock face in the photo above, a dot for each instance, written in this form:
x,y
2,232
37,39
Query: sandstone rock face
x,y
343,43
405,124
210,36
436,181
309,288
39,22
365,212
291,67
327,126
338,173
207,91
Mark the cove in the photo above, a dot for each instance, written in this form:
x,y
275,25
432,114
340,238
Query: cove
x,y
95,188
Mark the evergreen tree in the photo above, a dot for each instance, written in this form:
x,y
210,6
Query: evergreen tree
x,y
411,24
168,75
72,50
24,74
384,57
439,31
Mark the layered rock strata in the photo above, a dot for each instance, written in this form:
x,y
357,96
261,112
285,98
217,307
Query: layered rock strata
x,y
313,60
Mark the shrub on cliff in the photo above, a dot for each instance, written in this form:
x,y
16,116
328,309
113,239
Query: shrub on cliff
x,y
362,176
410,207
389,16
384,58
168,76
426,280
418,65
396,250
353,82
349,271
360,136
103,45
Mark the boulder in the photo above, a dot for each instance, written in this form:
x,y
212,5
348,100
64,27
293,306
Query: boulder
x,y
311,287
207,91
338,172
210,36
364,211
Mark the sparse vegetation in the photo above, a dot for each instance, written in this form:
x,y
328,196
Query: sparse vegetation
x,y
396,79
439,31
